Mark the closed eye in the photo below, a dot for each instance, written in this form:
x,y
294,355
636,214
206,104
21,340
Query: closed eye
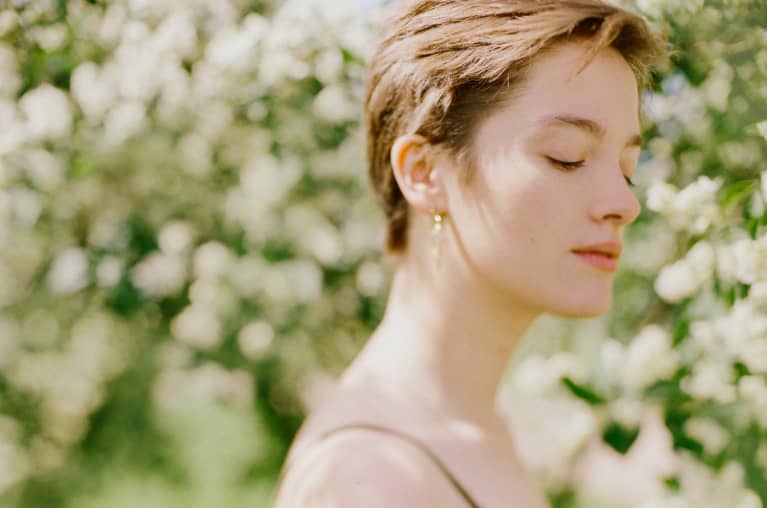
x,y
566,164
570,165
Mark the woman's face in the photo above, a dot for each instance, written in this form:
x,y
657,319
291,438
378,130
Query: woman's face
x,y
550,178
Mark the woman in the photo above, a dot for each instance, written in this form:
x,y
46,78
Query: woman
x,y
502,138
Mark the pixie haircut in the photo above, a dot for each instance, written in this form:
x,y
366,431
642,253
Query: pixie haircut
x,y
442,65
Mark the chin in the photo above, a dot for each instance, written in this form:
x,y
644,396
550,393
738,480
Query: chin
x,y
584,308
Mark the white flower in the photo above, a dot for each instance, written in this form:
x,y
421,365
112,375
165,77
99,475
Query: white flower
x,y
718,85
694,208
649,358
754,388
672,501
697,204
159,274
726,264
750,260
627,412
255,338
8,21
683,278
245,276
208,382
212,260
370,278
123,121
176,35
329,66
47,111
234,49
264,182
10,80
112,23
196,154
92,90
333,105
304,278
45,170
753,353
278,64
69,271
148,8
109,271
660,197
651,7
213,294
762,128
537,375
612,359
652,246
676,282
701,258
758,293
26,205
711,379
49,37
706,430
567,365
197,326
13,132
175,237
545,445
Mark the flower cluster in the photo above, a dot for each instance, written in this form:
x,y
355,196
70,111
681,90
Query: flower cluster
x,y
687,338
181,209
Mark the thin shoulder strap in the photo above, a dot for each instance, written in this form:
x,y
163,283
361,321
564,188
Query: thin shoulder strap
x,y
412,440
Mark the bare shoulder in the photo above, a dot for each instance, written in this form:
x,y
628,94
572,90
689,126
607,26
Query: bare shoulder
x,y
359,468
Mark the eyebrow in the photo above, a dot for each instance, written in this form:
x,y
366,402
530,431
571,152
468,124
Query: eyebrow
x,y
587,125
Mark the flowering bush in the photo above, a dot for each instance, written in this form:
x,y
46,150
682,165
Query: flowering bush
x,y
686,345
181,210
187,242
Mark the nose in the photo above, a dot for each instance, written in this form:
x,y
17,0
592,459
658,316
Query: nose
x,y
615,200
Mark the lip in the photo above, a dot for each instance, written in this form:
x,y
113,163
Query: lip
x,y
603,256
601,261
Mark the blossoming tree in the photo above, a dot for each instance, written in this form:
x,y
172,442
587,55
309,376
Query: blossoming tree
x,y
189,253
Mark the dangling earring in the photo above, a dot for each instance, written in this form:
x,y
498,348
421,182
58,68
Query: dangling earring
x,y
436,238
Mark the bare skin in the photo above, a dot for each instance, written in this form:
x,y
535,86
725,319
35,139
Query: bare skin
x,y
433,366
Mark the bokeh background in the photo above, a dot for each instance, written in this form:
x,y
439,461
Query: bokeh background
x,y
190,253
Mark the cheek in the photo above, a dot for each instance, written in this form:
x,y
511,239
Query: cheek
x,y
512,212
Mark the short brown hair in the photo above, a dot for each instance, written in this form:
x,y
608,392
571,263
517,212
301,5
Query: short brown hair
x,y
442,64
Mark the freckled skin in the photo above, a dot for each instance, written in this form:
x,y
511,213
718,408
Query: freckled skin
x,y
522,215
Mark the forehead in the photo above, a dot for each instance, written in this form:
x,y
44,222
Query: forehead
x,y
604,92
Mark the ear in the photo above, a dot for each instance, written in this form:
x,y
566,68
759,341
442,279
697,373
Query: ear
x,y
417,173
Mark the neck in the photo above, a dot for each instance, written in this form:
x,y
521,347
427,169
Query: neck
x,y
444,342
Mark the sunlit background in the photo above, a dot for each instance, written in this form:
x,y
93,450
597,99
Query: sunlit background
x,y
190,253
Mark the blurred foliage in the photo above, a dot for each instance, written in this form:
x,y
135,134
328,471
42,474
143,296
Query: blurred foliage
x,y
189,249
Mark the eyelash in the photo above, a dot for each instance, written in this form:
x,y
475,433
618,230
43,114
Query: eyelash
x,y
571,165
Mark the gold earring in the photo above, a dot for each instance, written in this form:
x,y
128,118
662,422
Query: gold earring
x,y
436,238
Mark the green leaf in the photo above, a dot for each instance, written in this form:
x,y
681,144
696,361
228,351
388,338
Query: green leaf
x,y
620,438
583,392
681,332
673,483
735,194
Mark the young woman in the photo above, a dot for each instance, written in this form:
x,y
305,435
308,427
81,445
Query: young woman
x,y
503,135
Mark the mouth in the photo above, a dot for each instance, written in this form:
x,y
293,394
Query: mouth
x,y
603,261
